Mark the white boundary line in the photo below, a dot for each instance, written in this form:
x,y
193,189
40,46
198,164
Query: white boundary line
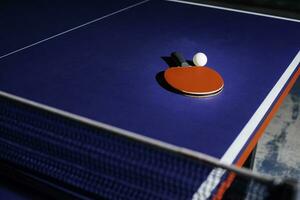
x,y
254,121
72,29
234,10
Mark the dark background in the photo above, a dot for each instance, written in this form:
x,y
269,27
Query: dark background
x,y
285,8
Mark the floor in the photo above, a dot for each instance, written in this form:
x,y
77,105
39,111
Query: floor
x,y
278,151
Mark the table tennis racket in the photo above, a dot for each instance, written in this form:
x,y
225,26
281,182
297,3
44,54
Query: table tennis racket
x,y
193,80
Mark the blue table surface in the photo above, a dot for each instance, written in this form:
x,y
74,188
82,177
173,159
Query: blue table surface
x,y
25,22
107,70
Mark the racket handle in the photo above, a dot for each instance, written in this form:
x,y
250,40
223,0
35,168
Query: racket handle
x,y
178,57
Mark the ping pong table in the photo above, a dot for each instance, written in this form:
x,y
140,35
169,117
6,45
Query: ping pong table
x,y
80,92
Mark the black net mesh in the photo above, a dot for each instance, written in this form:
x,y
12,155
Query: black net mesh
x,y
108,165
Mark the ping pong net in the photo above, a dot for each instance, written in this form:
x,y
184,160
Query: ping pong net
x,y
84,159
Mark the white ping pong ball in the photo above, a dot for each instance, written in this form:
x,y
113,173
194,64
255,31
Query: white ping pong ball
x,y
200,59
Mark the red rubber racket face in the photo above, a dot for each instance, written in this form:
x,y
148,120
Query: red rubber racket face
x,y
194,80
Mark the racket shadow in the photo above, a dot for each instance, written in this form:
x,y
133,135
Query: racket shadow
x,y
160,79
160,75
